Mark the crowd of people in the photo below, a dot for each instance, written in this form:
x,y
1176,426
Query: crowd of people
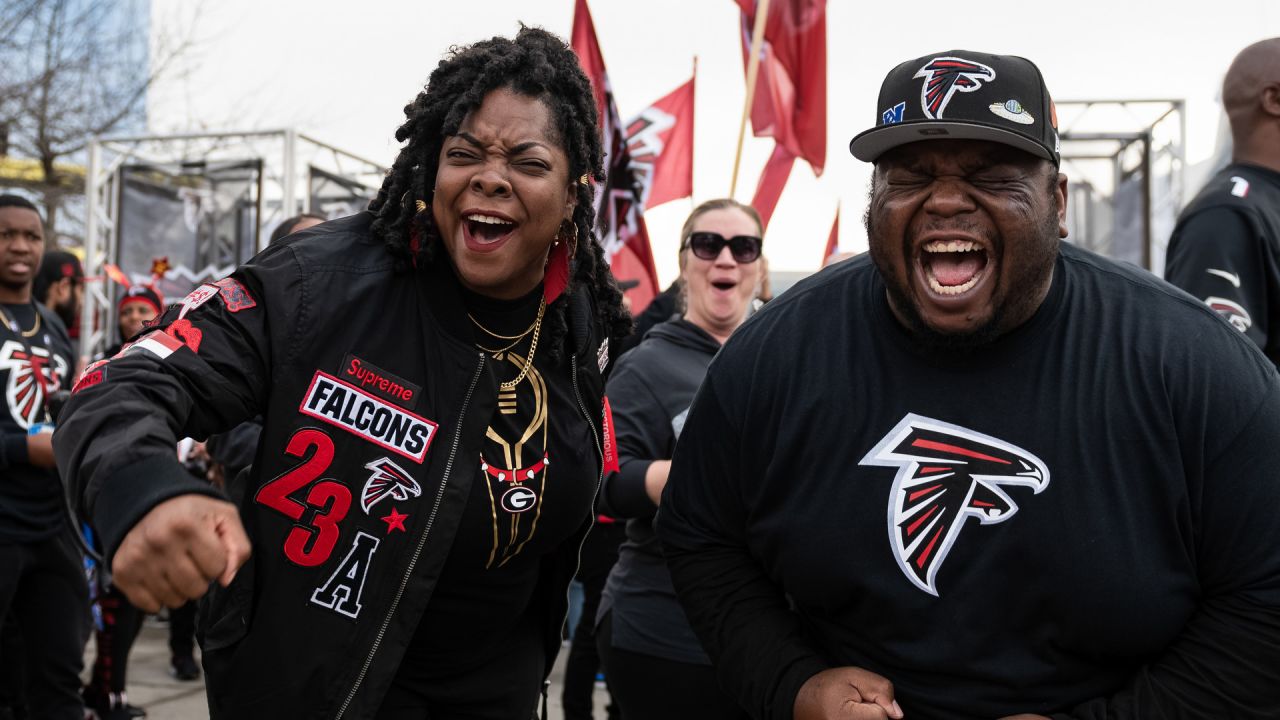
x,y
976,472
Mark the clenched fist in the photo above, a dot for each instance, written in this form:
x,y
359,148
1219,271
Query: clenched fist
x,y
846,693
177,549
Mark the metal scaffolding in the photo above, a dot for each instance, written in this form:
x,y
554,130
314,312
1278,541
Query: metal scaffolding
x,y
277,174
1125,160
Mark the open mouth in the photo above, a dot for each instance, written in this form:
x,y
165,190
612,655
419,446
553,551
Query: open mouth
x,y
953,267
487,229
724,285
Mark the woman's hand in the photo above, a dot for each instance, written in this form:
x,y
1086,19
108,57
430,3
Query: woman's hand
x,y
846,693
177,549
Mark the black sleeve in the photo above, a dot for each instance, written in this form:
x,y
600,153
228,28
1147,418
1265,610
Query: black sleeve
x,y
235,449
1226,661
201,370
643,434
1217,256
13,450
739,614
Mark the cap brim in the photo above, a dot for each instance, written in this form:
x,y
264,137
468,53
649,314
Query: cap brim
x,y
869,145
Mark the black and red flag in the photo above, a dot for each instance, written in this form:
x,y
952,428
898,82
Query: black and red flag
x,y
620,199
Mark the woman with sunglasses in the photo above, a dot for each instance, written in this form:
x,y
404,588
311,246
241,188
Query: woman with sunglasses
x,y
655,666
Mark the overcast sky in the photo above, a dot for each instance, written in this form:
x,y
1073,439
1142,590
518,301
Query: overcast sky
x,y
343,72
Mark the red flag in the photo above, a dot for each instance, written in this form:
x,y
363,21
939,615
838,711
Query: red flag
x,y
660,140
772,179
790,102
833,240
619,199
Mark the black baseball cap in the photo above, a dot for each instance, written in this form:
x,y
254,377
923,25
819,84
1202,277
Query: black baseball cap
x,y
963,95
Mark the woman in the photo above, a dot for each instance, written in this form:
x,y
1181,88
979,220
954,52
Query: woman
x,y
430,373
655,665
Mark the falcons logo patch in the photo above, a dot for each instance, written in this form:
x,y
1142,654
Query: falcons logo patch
x,y
944,77
388,480
946,474
30,376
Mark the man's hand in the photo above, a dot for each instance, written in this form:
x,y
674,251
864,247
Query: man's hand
x,y
40,450
177,549
846,693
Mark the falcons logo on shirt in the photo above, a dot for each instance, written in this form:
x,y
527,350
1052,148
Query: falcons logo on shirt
x,y
25,391
388,480
946,474
943,77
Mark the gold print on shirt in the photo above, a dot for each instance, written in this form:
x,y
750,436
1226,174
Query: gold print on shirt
x,y
516,480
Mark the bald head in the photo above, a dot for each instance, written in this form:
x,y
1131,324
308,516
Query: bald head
x,y
1251,97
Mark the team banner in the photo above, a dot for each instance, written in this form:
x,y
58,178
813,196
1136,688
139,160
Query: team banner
x,y
619,199
660,141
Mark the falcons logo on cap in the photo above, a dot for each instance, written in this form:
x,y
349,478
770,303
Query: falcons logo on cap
x,y
946,474
943,77
388,480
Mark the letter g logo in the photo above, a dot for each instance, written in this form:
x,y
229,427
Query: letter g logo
x,y
518,499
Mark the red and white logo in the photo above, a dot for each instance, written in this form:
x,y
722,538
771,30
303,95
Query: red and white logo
x,y
944,77
31,377
388,480
1231,311
946,474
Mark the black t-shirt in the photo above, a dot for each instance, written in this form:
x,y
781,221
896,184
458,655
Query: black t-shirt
x,y
533,488
1225,250
31,368
1078,518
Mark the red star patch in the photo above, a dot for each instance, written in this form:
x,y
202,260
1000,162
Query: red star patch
x,y
395,521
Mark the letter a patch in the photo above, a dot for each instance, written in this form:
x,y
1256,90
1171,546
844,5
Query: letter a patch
x,y
341,592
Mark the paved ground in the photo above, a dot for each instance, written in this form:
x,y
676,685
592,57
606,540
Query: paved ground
x,y
165,698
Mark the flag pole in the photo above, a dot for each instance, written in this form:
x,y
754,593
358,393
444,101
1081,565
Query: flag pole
x,y
753,68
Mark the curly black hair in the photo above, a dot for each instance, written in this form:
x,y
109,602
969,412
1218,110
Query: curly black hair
x,y
536,64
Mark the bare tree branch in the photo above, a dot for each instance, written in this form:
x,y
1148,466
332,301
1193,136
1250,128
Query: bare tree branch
x,y
74,69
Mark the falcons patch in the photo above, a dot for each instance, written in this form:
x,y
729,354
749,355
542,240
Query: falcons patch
x,y
388,480
946,474
944,77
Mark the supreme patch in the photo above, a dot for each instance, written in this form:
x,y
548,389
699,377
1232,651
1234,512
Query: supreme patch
x,y
360,413
367,376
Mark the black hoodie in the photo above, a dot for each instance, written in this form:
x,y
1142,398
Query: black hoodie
x,y
649,393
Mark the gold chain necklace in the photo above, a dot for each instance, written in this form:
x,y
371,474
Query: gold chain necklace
x,y
536,329
517,338
13,323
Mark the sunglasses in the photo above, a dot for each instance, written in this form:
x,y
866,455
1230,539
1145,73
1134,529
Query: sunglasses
x,y
707,246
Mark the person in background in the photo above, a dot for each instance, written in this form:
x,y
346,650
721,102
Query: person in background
x,y
657,670
295,224
59,286
978,472
1225,248
431,376
42,582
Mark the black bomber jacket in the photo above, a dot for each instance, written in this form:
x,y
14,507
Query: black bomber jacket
x,y
367,388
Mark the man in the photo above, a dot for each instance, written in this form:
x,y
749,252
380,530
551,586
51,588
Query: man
x,y
59,286
1009,478
1225,249
42,583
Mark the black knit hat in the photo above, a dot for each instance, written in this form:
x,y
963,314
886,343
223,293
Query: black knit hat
x,y
963,95
142,294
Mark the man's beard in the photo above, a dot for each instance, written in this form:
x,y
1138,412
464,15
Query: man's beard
x,y
66,311
1016,307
